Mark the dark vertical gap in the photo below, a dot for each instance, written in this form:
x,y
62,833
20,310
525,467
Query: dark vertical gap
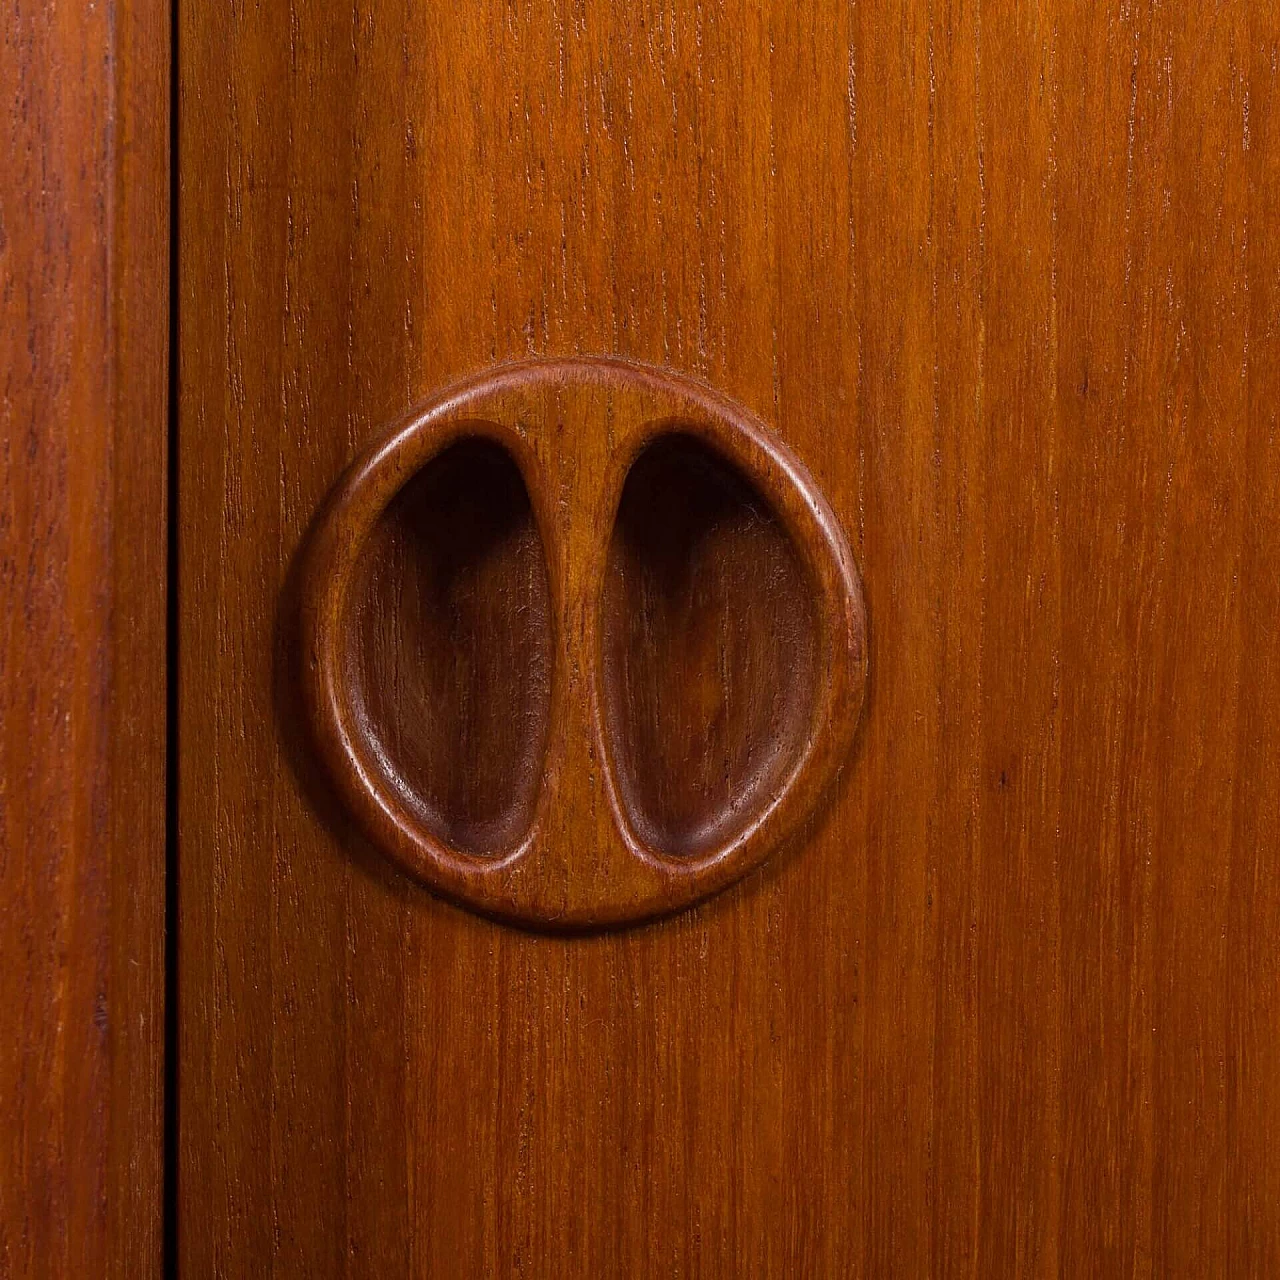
x,y
172,629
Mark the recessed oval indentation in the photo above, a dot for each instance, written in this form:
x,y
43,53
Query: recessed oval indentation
x,y
450,648
598,699
709,640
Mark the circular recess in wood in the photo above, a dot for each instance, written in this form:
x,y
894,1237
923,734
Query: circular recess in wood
x,y
583,642
709,635
449,647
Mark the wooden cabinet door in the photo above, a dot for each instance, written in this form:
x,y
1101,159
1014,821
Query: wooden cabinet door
x,y
782,781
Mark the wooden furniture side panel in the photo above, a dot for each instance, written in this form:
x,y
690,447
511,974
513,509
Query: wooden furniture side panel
x,y
1005,277
83,425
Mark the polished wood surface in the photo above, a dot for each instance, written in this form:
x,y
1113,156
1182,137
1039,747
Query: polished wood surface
x,y
1005,277
594,687
84,166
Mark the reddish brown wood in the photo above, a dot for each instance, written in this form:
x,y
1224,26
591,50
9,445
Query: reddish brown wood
x,y
83,397
1004,276
604,688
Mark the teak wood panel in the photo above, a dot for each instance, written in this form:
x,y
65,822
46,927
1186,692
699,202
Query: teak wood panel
x,y
84,287
1006,278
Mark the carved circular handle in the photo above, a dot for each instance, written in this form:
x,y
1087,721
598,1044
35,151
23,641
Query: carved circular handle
x,y
583,642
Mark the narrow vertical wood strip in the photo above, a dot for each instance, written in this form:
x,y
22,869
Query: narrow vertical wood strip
x,y
136,803
1197,641
233,226
1253,1105
1017,922
83,385
1108,103
960,511
896,399
1253,915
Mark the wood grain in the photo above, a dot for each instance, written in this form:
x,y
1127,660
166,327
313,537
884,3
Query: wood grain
x,y
83,458
1005,277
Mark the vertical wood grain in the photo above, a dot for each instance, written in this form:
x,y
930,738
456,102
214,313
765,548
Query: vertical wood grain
x,y
1253,911
83,447
890,168
956,244
1005,277
1019,959
1197,645
1112,130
